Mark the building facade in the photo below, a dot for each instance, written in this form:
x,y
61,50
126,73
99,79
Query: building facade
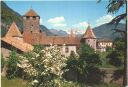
x,y
32,35
102,44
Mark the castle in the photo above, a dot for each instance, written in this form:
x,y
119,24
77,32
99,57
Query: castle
x,y
33,35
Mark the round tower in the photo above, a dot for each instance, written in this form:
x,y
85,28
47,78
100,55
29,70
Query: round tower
x,y
90,38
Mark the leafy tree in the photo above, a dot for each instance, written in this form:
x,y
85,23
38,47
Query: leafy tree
x,y
86,66
90,61
42,66
38,48
113,7
12,70
116,58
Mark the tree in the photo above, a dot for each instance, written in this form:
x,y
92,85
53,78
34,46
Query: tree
x,y
113,7
43,66
116,57
12,70
86,66
90,62
2,62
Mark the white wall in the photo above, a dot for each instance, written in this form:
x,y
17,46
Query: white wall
x,y
71,48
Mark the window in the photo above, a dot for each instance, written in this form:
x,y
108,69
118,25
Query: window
x,y
31,27
27,17
34,17
66,49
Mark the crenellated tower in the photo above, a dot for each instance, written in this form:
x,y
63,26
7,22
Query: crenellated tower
x,y
32,32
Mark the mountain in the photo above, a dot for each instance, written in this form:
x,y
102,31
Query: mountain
x,y
46,30
106,31
58,32
7,17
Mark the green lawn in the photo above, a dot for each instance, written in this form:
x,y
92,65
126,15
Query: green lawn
x,y
21,83
12,83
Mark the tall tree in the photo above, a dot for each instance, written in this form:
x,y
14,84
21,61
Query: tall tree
x,y
113,7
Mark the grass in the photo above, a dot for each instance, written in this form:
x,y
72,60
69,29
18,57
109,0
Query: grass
x,y
13,83
21,83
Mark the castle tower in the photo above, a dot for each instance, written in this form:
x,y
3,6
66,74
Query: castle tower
x,y
31,33
90,38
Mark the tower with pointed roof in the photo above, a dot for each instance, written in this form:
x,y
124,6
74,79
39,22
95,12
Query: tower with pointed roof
x,y
90,38
31,21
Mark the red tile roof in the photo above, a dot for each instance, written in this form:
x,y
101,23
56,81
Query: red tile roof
x,y
59,40
31,12
89,33
13,31
18,43
14,38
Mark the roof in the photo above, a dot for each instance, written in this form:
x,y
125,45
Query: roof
x,y
13,37
18,43
59,40
104,40
31,12
13,31
89,33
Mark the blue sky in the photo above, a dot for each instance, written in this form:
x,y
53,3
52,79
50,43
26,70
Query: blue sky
x,y
66,15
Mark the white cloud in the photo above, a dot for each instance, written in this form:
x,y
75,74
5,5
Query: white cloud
x,y
41,21
104,19
57,22
80,27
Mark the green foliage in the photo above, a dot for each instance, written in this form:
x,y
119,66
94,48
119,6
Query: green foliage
x,y
85,67
2,62
115,5
104,59
12,71
38,48
85,50
43,65
116,57
7,17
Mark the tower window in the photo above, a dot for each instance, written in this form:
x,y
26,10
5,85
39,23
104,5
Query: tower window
x,y
27,17
34,17
31,27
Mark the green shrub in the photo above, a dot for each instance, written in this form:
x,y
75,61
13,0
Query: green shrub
x,y
12,70
2,62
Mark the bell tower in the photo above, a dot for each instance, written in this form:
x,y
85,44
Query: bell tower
x,y
31,32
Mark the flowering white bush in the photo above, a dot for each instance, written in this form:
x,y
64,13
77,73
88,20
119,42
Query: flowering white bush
x,y
48,61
